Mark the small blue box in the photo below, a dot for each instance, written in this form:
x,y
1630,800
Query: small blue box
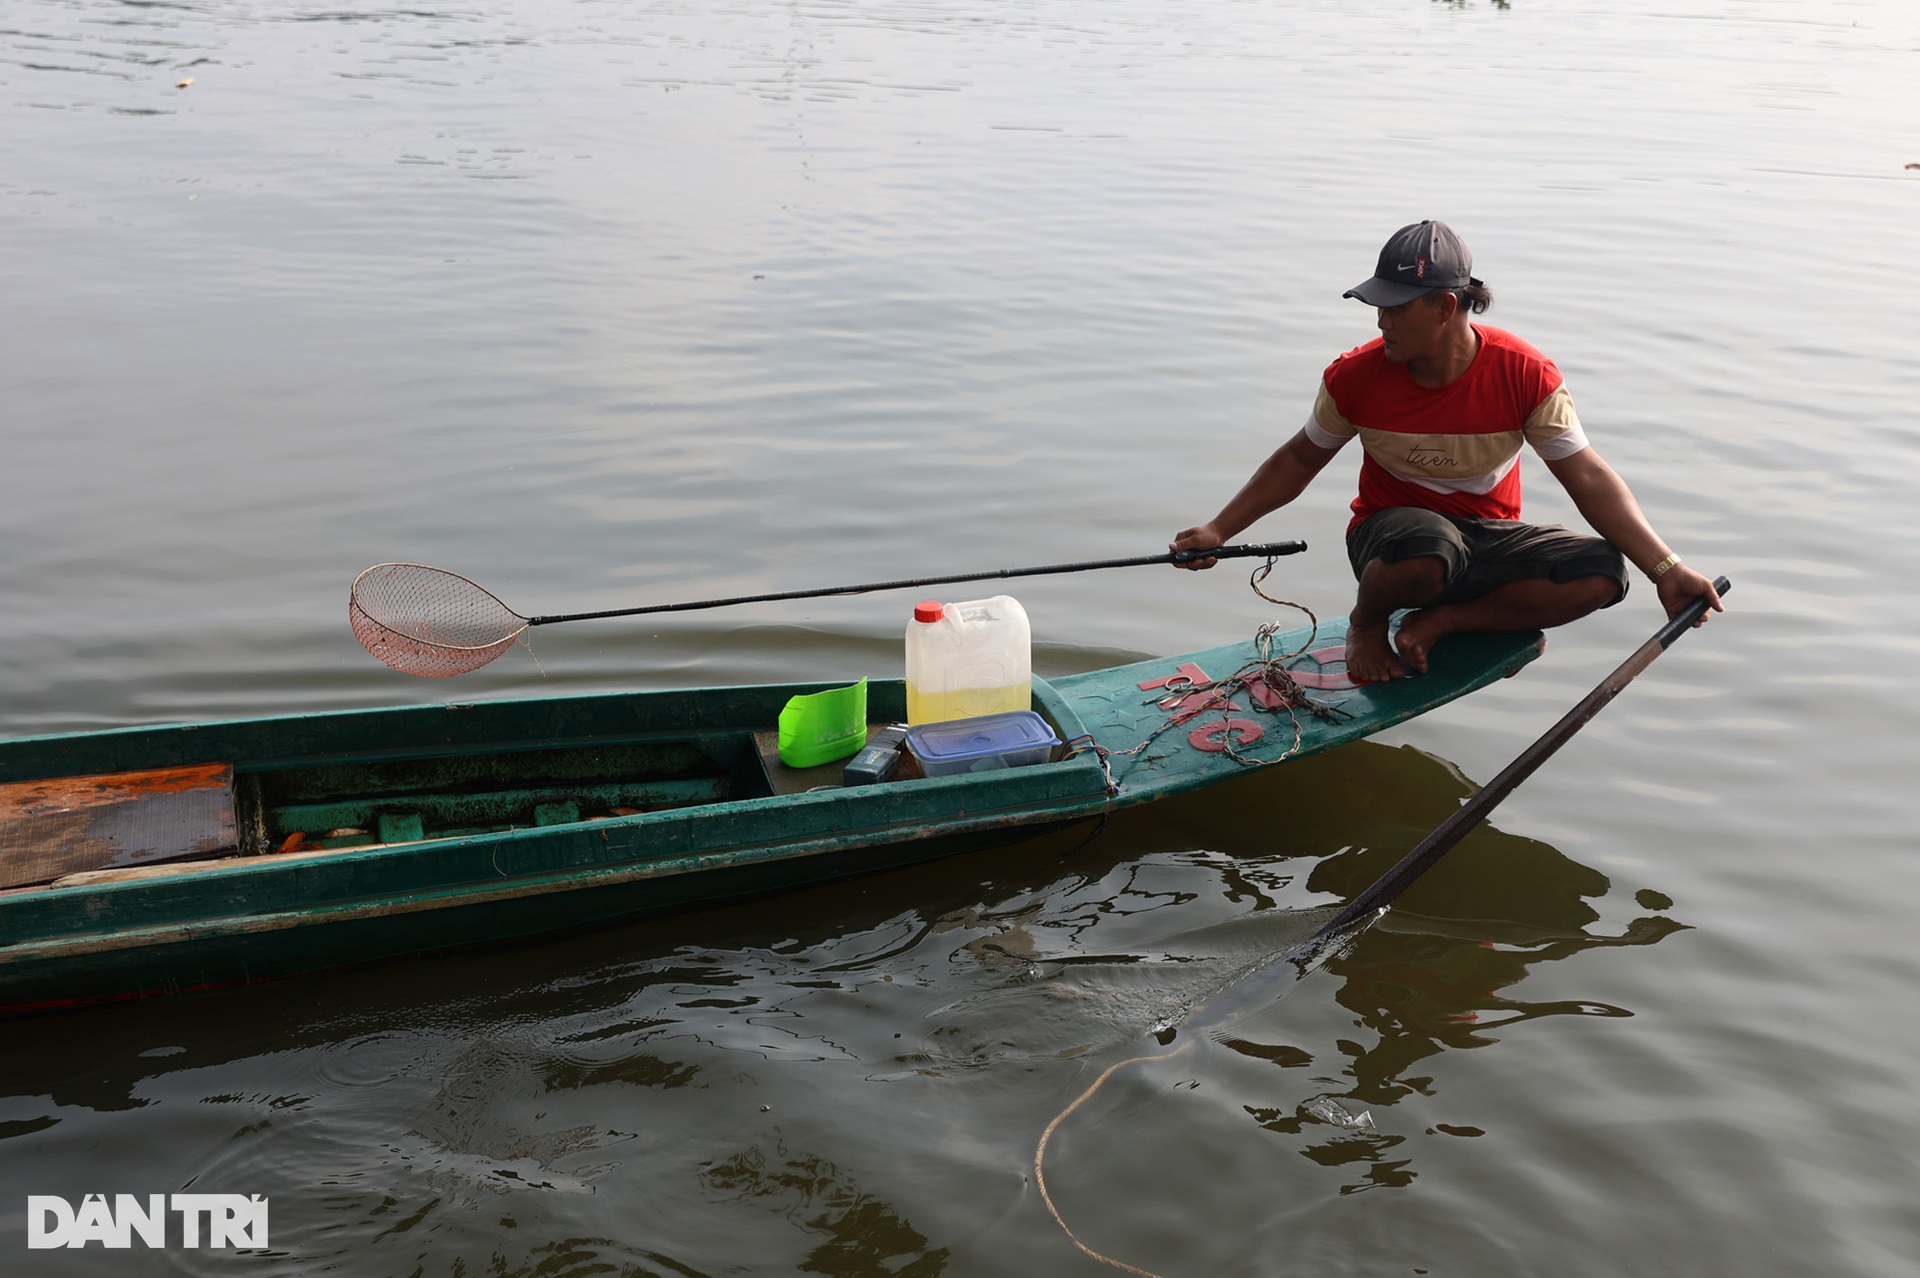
x,y
877,762
1010,740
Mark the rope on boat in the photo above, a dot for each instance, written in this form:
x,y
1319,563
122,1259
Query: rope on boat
x,y
1265,668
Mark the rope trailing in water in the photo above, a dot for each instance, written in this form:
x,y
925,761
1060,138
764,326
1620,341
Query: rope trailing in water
x,y
1222,1011
1040,1156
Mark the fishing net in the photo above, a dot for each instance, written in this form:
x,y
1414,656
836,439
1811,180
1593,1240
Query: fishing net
x,y
429,622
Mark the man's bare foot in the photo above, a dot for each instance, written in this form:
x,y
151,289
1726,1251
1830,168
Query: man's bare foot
x,y
1418,633
1370,659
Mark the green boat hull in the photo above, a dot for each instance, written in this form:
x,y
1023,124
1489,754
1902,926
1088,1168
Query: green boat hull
x,y
692,815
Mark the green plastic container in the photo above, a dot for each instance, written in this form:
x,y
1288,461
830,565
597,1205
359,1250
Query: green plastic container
x,y
823,726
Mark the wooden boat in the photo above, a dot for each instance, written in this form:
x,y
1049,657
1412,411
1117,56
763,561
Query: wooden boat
x,y
233,852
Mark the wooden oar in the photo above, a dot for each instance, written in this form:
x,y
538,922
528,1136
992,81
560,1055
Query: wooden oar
x,y
1250,991
1376,899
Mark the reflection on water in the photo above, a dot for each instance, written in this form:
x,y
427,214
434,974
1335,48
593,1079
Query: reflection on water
x,y
828,1091
859,1233
1441,972
1418,989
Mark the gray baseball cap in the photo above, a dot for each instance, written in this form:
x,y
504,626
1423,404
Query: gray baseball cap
x,y
1416,260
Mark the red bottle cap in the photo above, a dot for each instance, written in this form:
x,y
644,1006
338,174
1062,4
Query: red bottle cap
x,y
931,610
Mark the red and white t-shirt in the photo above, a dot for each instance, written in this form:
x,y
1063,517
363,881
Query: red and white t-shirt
x,y
1455,450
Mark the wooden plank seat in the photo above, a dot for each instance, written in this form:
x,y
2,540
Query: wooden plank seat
x,y
63,825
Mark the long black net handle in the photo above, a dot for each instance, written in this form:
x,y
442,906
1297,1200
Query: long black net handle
x,y
1266,550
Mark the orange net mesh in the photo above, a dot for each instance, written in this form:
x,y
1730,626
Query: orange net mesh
x,y
429,622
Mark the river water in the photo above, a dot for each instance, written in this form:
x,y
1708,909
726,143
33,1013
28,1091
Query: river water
x,y
607,304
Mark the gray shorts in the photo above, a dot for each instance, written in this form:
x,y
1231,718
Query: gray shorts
x,y
1483,555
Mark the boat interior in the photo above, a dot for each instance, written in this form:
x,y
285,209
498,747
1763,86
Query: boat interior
x,y
79,830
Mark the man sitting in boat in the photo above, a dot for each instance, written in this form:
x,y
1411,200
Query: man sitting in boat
x,y
1442,406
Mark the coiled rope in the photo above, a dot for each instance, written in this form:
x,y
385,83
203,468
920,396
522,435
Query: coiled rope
x,y
1266,668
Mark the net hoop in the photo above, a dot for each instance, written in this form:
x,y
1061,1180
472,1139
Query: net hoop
x,y
427,621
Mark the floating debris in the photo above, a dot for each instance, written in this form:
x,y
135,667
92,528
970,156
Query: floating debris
x,y
183,83
1458,1129
1330,1109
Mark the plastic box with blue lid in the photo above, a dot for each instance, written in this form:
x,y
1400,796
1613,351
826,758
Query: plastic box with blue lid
x,y
1012,739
